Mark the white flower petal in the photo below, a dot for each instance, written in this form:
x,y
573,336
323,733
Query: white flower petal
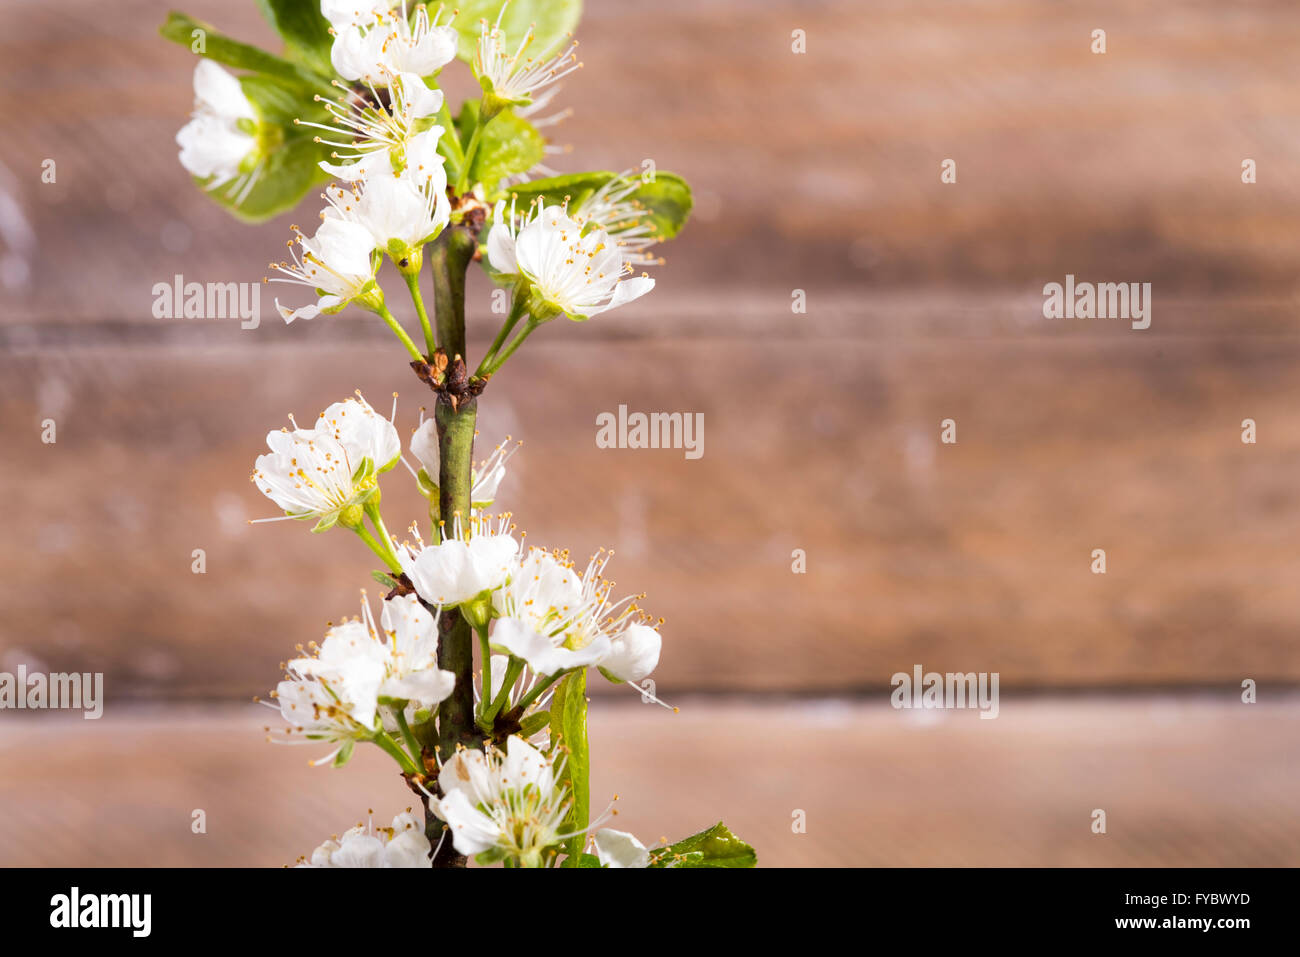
x,y
634,653
472,831
620,849
220,92
309,311
424,446
211,147
343,12
625,291
542,654
467,770
360,850
501,250
420,101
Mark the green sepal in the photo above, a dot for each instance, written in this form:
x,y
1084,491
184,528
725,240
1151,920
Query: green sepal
x,y
428,487
610,677
398,249
534,723
370,297
425,728
384,579
351,516
345,754
491,856
326,522
478,610
364,470
714,847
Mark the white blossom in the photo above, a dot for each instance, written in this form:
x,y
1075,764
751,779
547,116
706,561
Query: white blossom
x,y
336,261
633,653
325,471
571,272
613,209
556,619
507,73
360,674
378,47
219,142
402,845
334,698
504,805
486,477
400,213
410,644
380,138
546,654
459,569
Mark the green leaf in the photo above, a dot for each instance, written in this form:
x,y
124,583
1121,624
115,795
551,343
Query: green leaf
x,y
667,200
386,580
585,860
276,101
534,723
552,21
289,172
179,28
715,847
507,145
305,31
569,731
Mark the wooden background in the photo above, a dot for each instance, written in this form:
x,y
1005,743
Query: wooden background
x,y
817,172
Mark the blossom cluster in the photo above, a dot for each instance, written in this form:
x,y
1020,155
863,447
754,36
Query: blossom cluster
x,y
402,173
372,679
389,143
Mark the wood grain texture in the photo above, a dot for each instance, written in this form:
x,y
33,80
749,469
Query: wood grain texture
x,y
924,303
1184,782
967,556
817,172
813,171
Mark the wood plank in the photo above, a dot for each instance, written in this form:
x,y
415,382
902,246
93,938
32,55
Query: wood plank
x,y
812,171
1185,781
974,556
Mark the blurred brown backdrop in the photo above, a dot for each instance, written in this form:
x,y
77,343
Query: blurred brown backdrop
x,y
817,172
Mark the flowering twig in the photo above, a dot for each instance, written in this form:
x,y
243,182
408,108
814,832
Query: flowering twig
x,y
507,780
